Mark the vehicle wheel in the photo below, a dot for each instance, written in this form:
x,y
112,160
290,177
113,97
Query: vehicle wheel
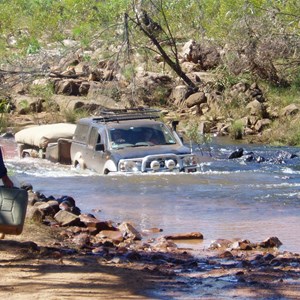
x,y
80,165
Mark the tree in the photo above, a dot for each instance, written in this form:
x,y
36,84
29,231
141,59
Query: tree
x,y
154,31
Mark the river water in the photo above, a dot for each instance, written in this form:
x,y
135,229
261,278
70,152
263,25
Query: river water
x,y
229,198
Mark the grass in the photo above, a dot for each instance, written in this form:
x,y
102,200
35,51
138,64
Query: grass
x,y
284,132
282,97
237,130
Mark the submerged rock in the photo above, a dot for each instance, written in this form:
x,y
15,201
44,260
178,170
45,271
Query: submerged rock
x,y
236,154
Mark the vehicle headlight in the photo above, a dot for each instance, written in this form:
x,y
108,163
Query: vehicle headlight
x,y
190,160
129,166
155,165
170,164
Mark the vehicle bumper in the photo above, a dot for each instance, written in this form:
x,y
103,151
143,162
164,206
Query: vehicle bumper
x,y
161,163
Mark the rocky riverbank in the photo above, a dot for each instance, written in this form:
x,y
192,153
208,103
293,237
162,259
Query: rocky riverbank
x,y
65,254
73,87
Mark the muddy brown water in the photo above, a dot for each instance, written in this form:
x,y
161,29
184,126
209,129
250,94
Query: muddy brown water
x,y
227,199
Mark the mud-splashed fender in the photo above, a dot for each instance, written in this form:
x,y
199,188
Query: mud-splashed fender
x,y
78,160
109,166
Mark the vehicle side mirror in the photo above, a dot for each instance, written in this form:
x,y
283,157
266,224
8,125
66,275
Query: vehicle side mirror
x,y
174,125
99,147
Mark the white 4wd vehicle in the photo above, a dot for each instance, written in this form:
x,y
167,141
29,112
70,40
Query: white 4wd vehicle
x,y
130,140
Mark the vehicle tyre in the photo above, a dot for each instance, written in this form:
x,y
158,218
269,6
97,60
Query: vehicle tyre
x,y
80,164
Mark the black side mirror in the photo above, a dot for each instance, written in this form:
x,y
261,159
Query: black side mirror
x,y
99,147
174,125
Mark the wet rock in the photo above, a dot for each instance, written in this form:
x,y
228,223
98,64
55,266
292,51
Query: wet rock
x,y
236,154
248,157
110,235
129,231
226,254
164,245
268,257
260,159
220,243
185,236
69,199
94,225
271,242
286,155
245,245
68,203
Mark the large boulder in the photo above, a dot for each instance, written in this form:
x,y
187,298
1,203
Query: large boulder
x,y
290,110
196,99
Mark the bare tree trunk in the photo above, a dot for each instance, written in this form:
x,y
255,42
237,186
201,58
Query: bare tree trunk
x,y
148,27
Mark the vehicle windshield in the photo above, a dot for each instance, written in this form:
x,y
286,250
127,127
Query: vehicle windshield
x,y
138,136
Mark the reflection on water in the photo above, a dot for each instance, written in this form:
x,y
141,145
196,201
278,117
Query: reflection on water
x,y
228,199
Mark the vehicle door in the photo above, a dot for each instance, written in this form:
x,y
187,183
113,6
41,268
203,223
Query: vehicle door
x,y
94,154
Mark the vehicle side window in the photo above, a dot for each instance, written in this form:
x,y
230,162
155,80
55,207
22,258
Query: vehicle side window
x,y
98,139
93,138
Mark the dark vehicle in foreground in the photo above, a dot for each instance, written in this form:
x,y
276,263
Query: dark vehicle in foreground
x,y
130,141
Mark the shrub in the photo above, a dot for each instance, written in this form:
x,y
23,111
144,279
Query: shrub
x,y
237,130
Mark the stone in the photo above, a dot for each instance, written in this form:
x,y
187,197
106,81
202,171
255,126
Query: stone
x,y
245,245
111,235
81,240
271,242
129,231
35,214
94,224
226,254
256,108
290,110
236,154
49,208
65,218
220,243
185,236
68,87
262,124
196,99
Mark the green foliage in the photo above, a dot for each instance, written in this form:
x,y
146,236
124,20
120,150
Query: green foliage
x,y
281,97
265,32
72,116
237,130
284,132
194,135
42,91
4,111
24,104
33,47
128,72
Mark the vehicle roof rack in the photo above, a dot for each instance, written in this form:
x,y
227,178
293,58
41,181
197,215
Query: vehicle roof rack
x,y
115,115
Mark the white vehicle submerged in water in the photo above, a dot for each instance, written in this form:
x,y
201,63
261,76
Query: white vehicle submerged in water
x,y
126,140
